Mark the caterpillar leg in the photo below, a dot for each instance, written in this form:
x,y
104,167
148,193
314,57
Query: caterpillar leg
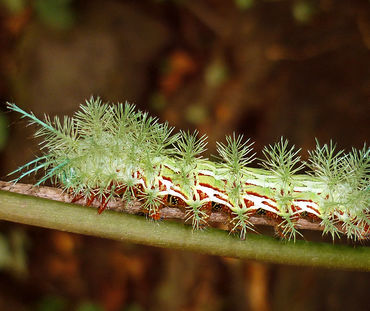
x,y
155,214
91,199
77,198
103,205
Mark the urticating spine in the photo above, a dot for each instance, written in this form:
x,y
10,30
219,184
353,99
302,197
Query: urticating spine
x,y
107,151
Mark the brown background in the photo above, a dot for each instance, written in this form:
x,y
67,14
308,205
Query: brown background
x,y
300,69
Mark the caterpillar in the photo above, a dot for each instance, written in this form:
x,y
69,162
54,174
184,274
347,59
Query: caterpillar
x,y
106,151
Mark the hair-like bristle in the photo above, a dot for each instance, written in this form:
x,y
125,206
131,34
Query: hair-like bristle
x,y
196,215
236,154
188,150
327,164
241,223
282,161
357,164
289,230
189,147
151,200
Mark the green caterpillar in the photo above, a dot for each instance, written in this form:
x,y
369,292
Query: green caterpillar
x,y
107,151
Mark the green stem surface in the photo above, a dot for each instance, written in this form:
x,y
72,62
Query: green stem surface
x,y
136,229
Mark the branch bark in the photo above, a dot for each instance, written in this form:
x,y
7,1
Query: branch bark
x,y
35,209
216,219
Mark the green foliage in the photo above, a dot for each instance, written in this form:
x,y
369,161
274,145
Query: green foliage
x,y
304,10
14,6
55,13
89,306
244,4
52,303
13,256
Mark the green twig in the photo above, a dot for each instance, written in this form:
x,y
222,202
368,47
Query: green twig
x,y
123,227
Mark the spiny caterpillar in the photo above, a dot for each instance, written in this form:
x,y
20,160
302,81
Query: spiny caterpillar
x,y
107,151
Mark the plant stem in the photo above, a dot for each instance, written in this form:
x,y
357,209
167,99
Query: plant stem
x,y
135,207
120,226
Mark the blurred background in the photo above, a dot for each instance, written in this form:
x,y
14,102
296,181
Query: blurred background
x,y
263,68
